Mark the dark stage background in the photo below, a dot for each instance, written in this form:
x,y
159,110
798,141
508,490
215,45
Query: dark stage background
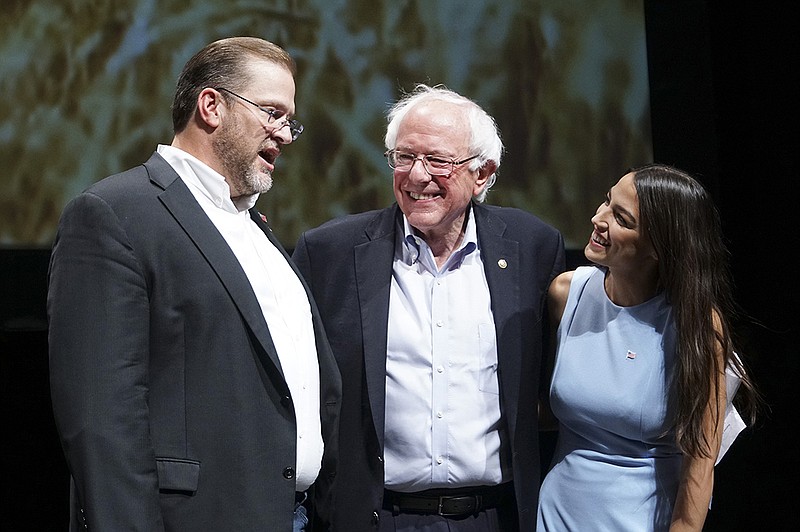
x,y
722,106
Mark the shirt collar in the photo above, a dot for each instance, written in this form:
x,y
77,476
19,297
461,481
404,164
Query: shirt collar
x,y
202,177
413,245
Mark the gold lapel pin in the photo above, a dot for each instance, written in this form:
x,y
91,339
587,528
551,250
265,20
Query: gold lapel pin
x,y
502,263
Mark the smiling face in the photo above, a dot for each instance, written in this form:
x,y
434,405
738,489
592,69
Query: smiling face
x,y
245,144
435,205
619,241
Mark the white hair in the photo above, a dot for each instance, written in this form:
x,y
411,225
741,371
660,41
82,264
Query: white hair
x,y
484,134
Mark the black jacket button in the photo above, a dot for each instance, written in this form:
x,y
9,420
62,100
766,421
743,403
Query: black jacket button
x,y
288,473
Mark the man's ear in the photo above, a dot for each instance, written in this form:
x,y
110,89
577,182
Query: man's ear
x,y
209,107
484,172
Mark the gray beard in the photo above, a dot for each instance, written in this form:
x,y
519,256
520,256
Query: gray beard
x,y
240,172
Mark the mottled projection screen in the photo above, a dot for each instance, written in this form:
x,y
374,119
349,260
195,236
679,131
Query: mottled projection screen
x,y
87,87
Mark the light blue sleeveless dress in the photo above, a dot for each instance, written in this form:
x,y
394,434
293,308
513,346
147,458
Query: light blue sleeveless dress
x,y
616,467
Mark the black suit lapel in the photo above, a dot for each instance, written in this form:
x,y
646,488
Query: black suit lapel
x,y
373,268
324,354
501,262
187,212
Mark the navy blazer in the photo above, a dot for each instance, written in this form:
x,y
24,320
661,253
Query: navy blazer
x,y
167,390
348,265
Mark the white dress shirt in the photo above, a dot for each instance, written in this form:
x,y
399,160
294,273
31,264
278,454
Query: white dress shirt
x,y
280,294
443,421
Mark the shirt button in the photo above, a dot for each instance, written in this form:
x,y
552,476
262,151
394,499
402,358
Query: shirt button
x,y
440,460
439,415
439,324
440,369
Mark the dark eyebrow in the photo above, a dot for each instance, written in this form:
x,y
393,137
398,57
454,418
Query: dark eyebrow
x,y
628,215
623,211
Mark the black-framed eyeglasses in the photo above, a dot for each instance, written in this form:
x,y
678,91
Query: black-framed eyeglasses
x,y
275,118
433,164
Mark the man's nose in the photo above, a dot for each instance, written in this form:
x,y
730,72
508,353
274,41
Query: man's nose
x,y
418,172
283,134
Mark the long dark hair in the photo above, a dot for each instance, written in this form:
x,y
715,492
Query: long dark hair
x,y
684,227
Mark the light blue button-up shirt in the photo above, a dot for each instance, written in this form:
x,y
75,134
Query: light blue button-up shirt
x,y
443,423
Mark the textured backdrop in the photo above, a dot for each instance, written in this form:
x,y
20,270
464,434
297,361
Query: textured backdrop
x,y
87,87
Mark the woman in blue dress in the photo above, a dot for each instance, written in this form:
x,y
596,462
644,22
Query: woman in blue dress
x,y
643,342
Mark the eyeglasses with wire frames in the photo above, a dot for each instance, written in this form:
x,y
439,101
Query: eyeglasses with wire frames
x,y
433,164
276,119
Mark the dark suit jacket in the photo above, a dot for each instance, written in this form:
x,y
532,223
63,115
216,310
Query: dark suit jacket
x,y
167,390
348,265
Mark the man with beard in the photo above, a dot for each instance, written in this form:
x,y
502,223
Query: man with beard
x,y
192,384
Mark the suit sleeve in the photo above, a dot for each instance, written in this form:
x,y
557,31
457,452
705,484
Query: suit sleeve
x,y
301,259
560,261
548,325
98,340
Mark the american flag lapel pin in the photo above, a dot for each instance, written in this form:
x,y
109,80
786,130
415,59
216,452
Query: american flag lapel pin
x,y
264,219
630,355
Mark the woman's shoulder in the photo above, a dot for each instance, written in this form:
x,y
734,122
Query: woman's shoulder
x,y
562,282
560,285
558,292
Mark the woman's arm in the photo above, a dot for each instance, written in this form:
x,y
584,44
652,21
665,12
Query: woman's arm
x,y
556,301
697,476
